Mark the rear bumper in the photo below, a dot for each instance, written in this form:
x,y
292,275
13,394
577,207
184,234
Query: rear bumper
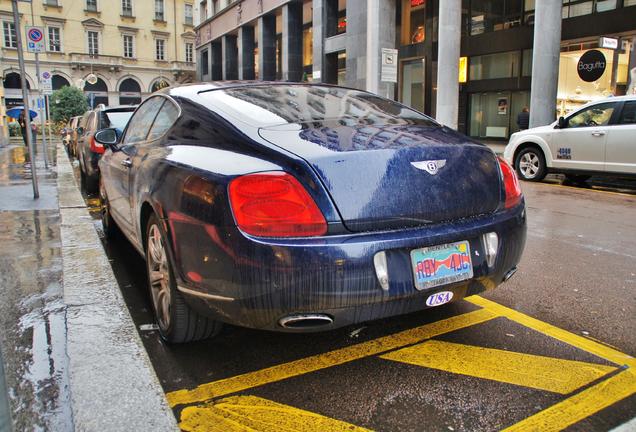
x,y
255,282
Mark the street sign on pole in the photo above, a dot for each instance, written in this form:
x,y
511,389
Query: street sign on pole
x,y
25,101
35,39
388,72
46,83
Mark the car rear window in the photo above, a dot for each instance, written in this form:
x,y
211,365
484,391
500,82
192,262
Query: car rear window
x,y
273,105
115,119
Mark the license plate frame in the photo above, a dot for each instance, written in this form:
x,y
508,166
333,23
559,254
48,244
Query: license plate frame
x,y
437,265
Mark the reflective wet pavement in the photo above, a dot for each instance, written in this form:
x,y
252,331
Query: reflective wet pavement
x,y
32,313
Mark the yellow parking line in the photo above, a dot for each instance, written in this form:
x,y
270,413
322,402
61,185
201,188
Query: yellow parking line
x,y
251,413
592,190
580,406
340,356
533,371
577,341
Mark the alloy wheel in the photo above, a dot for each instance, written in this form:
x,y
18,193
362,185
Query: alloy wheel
x,y
159,276
529,165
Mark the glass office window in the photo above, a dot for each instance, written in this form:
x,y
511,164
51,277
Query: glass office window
x,y
493,66
526,63
487,15
412,91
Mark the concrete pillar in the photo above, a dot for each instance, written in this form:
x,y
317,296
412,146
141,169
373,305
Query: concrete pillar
x,y
545,62
216,61
318,36
267,48
293,41
246,45
448,51
230,58
380,34
356,44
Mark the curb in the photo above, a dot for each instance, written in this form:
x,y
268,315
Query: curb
x,y
113,385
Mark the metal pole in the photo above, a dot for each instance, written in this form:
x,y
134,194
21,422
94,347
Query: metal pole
x,y
48,117
25,97
42,116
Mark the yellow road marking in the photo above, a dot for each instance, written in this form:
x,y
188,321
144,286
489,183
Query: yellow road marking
x,y
251,413
580,406
577,341
340,356
591,189
533,371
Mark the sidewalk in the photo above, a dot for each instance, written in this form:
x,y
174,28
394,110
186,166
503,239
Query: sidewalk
x,y
73,359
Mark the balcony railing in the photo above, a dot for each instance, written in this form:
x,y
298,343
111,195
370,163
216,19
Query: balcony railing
x,y
182,66
96,61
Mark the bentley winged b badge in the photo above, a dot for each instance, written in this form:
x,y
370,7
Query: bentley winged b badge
x,y
430,166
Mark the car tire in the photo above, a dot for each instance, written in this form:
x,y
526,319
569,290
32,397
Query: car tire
x,y
177,322
577,178
111,230
530,164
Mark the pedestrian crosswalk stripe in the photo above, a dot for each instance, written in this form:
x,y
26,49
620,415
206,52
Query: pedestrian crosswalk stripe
x,y
580,406
528,370
223,387
251,413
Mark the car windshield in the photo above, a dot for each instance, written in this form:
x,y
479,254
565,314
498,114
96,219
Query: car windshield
x,y
267,106
115,119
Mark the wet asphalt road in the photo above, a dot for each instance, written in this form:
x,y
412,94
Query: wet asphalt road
x,y
578,273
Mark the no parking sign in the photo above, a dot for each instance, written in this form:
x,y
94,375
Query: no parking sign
x,y
35,39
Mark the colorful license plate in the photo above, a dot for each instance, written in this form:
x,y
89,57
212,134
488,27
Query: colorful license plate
x,y
441,264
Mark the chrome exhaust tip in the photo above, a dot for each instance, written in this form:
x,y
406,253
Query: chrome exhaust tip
x,y
510,274
305,321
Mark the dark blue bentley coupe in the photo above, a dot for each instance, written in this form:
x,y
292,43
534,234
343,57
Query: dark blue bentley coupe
x,y
299,207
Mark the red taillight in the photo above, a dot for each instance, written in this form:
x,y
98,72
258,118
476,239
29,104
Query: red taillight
x,y
511,184
96,147
275,204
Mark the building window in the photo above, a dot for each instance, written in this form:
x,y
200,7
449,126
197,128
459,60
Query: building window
x,y
494,66
189,52
51,2
10,38
55,39
160,49
205,67
629,3
126,8
91,5
487,15
188,14
129,46
93,42
413,21
159,10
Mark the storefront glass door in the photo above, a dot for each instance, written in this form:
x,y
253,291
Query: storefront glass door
x,y
412,88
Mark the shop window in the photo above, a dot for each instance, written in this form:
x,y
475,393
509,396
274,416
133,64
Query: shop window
x,y
413,22
494,66
336,17
487,15
494,115
629,3
308,46
526,63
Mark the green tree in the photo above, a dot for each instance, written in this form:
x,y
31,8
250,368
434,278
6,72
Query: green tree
x,y
67,102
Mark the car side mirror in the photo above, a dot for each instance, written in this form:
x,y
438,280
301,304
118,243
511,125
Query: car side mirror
x,y
80,130
562,124
107,137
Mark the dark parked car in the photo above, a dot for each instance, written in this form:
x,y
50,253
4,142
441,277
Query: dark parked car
x,y
89,151
300,207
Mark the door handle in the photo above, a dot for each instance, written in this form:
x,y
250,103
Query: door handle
x,y
127,163
598,133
